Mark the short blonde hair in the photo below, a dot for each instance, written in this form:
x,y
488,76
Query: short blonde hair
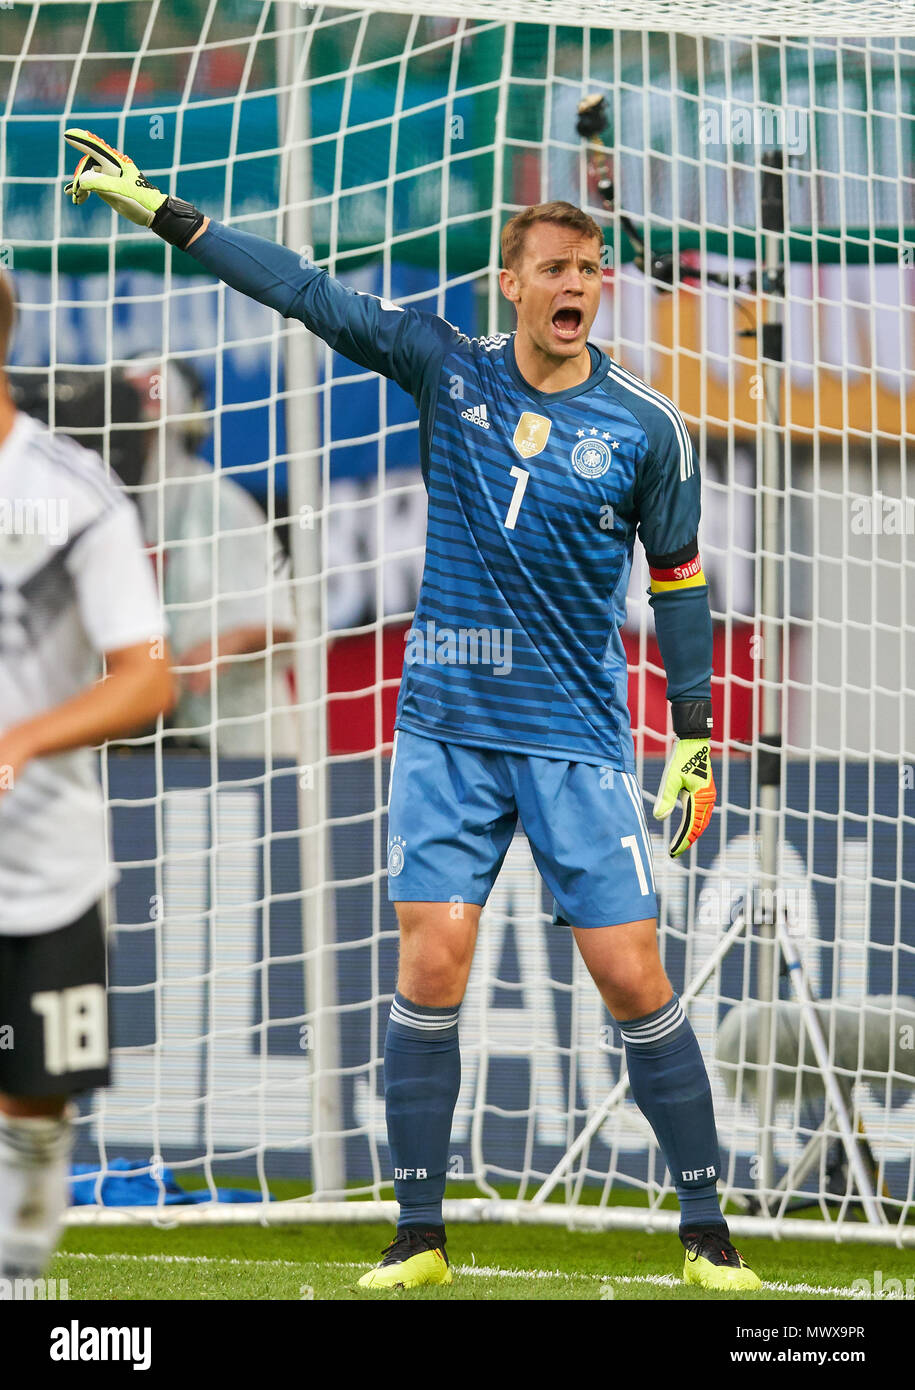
x,y
560,214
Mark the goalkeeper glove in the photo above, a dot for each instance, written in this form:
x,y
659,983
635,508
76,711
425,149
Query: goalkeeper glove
x,y
118,181
688,775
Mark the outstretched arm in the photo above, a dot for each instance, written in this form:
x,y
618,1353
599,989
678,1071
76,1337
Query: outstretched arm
x,y
405,344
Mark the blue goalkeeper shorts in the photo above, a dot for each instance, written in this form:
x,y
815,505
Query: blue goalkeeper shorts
x,y
452,814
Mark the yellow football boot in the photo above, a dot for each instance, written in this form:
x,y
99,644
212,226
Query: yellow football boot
x,y
413,1258
713,1263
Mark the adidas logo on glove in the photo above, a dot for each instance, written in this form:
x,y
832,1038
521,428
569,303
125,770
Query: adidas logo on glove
x,y
698,763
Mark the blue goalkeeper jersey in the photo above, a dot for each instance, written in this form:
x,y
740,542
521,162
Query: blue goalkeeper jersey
x,y
534,503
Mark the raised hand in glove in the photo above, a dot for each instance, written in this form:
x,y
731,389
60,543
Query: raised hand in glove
x,y
117,180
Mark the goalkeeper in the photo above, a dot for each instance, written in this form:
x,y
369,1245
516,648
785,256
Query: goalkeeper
x,y
542,459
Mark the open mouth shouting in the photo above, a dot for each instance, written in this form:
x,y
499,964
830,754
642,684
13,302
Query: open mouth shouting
x,y
566,324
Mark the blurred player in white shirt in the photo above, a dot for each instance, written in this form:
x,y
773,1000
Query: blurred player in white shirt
x,y
225,576
76,585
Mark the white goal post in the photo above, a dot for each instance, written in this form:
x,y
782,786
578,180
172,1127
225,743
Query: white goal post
x,y
770,180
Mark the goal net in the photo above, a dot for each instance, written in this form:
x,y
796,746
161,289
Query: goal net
x,y
769,184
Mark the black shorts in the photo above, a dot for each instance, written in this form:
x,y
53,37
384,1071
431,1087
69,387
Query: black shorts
x,y
54,1010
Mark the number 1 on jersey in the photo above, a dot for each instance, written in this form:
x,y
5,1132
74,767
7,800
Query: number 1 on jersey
x,y
521,475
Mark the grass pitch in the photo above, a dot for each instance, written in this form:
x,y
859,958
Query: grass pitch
x,y
490,1263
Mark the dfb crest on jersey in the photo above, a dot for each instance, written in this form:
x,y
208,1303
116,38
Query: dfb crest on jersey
x,y
591,458
531,433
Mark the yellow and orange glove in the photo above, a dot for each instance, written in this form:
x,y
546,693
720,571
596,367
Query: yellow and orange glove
x,y
687,778
117,180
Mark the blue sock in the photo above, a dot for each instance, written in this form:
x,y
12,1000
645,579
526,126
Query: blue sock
x,y
670,1086
422,1077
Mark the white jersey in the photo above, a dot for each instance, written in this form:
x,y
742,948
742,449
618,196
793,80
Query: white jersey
x,y
75,582
223,568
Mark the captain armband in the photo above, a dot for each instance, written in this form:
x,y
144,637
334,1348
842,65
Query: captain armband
x,y
679,571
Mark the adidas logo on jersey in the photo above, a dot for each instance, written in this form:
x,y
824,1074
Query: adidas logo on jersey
x,y
698,763
476,414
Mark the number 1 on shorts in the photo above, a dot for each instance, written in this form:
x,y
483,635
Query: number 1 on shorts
x,y
630,842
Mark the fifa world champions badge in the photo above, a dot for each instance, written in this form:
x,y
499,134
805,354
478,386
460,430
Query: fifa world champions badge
x,y
531,433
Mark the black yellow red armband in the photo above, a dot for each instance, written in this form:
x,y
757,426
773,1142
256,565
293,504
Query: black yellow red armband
x,y
681,570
